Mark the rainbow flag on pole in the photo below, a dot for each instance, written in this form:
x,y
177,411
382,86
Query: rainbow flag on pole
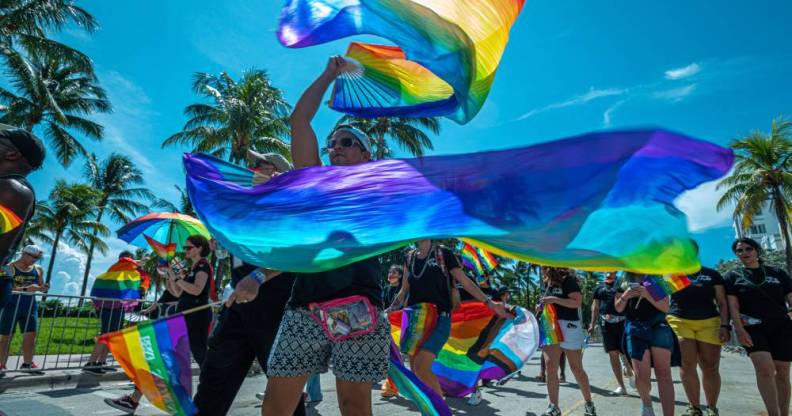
x,y
549,328
478,260
411,387
155,355
662,286
164,251
8,220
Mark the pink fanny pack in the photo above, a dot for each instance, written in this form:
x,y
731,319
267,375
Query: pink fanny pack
x,y
345,318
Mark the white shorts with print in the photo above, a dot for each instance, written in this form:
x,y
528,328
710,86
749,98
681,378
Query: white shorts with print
x,y
574,335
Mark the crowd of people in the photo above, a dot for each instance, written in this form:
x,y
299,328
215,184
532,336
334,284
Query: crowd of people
x,y
285,320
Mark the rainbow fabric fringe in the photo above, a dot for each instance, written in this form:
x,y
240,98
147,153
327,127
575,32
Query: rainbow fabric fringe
x,y
604,202
549,329
661,286
479,261
481,345
121,281
8,220
444,64
164,251
418,323
411,387
155,355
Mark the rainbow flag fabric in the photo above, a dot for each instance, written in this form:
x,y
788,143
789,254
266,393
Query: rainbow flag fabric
x,y
481,345
121,281
155,355
9,221
163,251
478,260
411,387
418,323
661,286
605,201
549,329
444,63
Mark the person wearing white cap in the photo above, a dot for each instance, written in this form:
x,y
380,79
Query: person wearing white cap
x,y
22,310
266,166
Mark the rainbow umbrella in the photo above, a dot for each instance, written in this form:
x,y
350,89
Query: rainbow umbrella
x,y
163,227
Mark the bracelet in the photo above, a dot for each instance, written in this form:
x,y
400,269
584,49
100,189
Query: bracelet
x,y
258,276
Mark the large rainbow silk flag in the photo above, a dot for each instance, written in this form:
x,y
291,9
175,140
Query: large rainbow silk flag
x,y
8,220
122,281
444,63
481,345
155,355
661,286
410,386
600,201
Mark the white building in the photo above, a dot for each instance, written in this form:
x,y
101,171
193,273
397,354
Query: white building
x,y
764,229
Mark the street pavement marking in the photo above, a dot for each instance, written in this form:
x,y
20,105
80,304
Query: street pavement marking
x,y
582,402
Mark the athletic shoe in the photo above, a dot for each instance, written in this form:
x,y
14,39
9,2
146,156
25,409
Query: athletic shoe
x,y
93,368
2,371
711,411
692,411
562,379
387,392
124,404
475,398
552,410
260,396
647,410
31,368
107,368
589,410
620,391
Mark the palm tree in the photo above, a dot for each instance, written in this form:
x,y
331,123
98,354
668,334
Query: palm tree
x,y
407,132
249,114
762,174
185,205
68,217
26,24
117,179
56,94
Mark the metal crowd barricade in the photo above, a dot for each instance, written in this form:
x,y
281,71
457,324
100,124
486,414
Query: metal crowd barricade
x,y
66,328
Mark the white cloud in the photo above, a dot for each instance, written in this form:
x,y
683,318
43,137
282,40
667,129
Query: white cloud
x,y
699,205
590,95
675,94
607,116
684,72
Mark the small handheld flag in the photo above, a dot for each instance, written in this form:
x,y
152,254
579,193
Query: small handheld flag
x,y
659,286
8,220
549,328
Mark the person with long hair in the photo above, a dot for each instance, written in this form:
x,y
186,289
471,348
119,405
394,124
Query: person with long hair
x,y
759,297
563,291
611,325
699,316
649,342
429,281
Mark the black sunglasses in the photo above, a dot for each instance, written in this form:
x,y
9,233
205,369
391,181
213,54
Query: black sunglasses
x,y
344,142
186,247
744,250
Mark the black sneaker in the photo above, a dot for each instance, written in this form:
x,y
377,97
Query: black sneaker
x,y
124,404
31,368
107,368
93,368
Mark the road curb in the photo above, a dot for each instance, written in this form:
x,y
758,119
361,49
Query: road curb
x,y
64,378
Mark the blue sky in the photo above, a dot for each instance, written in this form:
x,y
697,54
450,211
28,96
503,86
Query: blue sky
x,y
713,70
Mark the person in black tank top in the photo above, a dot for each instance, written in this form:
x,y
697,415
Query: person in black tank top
x,y
430,274
20,154
22,310
192,289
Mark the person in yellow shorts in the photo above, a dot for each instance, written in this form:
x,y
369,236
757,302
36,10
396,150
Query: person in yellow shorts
x,y
700,318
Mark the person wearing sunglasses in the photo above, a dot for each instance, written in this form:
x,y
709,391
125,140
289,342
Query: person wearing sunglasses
x,y
759,298
22,310
20,154
303,347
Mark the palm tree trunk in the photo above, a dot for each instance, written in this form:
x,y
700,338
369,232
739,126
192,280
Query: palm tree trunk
x,y
52,257
781,215
91,249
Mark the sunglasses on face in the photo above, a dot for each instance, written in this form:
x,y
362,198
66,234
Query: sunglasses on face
x,y
187,248
744,250
343,142
33,257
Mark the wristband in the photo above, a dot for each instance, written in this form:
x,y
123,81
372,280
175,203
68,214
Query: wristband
x,y
259,276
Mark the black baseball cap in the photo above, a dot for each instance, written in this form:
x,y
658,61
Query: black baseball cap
x,y
31,148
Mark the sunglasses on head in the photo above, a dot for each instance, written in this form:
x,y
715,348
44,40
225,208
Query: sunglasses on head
x,y
344,142
744,250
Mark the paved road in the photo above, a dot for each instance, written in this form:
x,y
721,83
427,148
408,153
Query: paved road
x,y
521,396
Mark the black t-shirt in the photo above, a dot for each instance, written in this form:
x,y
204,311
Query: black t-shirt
x,y
697,301
644,311
428,283
361,278
605,293
761,292
569,285
239,273
187,300
389,293
167,297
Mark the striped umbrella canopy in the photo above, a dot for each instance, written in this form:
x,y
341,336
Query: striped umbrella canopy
x,y
163,227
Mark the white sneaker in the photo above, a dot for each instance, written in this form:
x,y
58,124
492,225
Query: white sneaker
x,y
647,410
260,396
620,391
475,398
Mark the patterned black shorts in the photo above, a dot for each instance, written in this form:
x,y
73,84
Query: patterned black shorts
x,y
302,348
